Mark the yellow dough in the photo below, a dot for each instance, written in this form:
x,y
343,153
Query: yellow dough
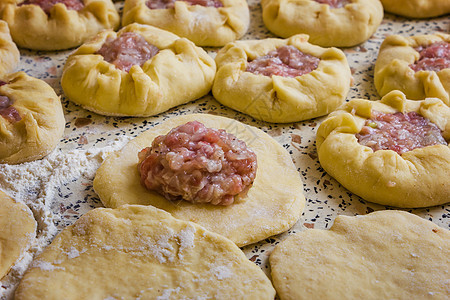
x,y
383,255
205,26
138,252
339,27
417,178
9,54
392,71
417,8
42,123
180,72
17,231
276,98
272,205
32,28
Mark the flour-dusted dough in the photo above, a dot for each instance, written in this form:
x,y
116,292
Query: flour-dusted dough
x,y
383,255
42,123
417,178
276,98
392,71
140,252
273,204
179,73
417,8
205,26
32,28
17,231
9,54
339,27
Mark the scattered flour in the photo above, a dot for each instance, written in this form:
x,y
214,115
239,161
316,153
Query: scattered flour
x,y
222,272
45,266
186,239
167,293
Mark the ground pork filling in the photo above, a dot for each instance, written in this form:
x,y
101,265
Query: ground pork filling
x,y
399,132
198,164
164,4
334,3
46,5
8,111
286,61
434,57
126,50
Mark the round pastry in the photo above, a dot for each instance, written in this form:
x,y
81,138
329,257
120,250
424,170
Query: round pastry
x,y
417,8
281,81
340,23
271,205
31,118
57,24
382,255
17,231
139,71
419,66
9,54
205,22
138,252
392,152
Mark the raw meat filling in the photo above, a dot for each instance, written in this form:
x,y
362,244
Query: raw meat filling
x,y
399,132
286,61
8,111
198,164
127,50
434,57
46,5
334,3
164,4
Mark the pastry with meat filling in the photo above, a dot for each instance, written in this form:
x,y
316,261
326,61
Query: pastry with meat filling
x,y
9,54
232,179
139,71
281,81
392,152
31,118
205,22
329,23
419,66
417,8
57,24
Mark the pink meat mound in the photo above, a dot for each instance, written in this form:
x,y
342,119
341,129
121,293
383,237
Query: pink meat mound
x,y
166,4
8,111
286,61
399,132
127,50
434,57
334,3
46,5
198,164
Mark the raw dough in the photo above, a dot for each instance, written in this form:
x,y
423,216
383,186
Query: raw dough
x,y
417,8
383,255
205,26
9,54
42,123
17,231
273,204
339,27
392,71
179,73
140,252
32,28
281,99
417,178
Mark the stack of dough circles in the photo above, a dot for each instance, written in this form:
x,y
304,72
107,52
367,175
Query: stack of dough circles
x,y
276,98
138,252
205,26
382,255
9,54
393,72
39,124
272,205
180,72
17,231
416,178
62,28
417,8
347,26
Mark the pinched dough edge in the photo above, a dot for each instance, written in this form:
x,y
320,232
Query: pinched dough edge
x,y
417,8
417,178
9,54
